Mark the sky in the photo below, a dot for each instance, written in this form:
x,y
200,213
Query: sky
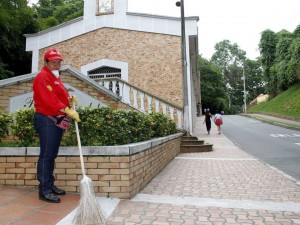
x,y
239,21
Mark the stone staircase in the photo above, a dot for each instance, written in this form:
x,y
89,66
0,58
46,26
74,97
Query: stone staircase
x,y
192,144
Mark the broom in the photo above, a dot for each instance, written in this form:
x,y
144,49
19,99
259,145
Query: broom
x,y
89,211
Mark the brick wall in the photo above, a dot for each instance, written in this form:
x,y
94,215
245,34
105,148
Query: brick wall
x,y
154,60
118,171
7,92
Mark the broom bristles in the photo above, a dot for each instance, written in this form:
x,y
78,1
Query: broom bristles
x,y
89,211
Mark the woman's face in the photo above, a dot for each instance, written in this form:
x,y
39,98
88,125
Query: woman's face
x,y
54,64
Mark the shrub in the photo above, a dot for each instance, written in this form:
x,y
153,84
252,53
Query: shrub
x,y
107,126
22,127
99,127
5,121
161,125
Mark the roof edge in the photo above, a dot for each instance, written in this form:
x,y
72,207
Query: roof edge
x,y
55,27
162,17
17,79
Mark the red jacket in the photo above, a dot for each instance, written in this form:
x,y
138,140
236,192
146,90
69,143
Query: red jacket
x,y
49,93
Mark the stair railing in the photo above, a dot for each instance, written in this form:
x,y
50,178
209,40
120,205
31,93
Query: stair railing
x,y
141,100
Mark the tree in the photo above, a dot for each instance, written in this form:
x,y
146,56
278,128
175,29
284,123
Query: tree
x,y
283,57
50,13
230,58
212,86
280,59
227,54
255,81
15,20
267,48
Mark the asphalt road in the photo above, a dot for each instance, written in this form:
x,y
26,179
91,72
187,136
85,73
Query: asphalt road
x,y
277,146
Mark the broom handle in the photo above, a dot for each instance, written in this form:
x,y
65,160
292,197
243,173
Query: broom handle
x,y
79,145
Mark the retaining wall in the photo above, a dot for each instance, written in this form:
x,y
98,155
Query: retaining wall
x,y
116,171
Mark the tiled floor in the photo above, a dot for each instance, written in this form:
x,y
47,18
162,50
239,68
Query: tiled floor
x,y
20,206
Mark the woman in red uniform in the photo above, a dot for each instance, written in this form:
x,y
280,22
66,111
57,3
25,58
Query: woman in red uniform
x,y
51,99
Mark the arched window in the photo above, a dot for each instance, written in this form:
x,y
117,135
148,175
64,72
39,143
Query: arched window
x,y
106,72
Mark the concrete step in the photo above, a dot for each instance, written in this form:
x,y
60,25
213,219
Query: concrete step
x,y
192,142
196,148
187,138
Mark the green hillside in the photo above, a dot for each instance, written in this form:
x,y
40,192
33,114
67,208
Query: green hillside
x,y
285,104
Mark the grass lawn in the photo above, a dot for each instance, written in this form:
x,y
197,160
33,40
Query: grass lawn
x,y
285,104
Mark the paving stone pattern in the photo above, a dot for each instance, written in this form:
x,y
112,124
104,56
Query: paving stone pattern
x,y
225,186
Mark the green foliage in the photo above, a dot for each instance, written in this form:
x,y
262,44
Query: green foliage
x,y
5,121
161,125
106,126
267,48
15,21
286,103
227,54
293,67
98,127
50,13
212,85
22,127
280,59
255,81
297,31
232,61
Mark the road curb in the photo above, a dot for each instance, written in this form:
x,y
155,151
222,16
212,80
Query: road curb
x,y
271,121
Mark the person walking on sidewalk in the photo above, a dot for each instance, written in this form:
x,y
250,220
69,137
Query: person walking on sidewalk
x,y
51,102
207,120
218,120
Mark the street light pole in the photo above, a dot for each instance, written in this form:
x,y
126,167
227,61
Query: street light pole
x,y
184,68
245,94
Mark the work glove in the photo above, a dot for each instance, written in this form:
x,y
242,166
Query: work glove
x,y
72,114
72,99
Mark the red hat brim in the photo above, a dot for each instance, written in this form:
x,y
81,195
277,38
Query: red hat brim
x,y
55,58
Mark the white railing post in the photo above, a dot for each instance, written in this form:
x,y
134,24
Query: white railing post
x,y
164,108
149,103
126,93
171,109
156,105
179,115
135,104
106,84
142,101
114,86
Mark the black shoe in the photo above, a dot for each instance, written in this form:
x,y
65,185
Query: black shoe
x,y
50,198
58,191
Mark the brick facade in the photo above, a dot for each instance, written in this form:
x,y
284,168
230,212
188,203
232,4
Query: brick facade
x,y
154,60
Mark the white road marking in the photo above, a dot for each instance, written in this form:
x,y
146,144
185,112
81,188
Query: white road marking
x,y
285,135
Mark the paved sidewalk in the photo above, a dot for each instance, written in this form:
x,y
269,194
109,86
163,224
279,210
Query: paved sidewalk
x,y
225,186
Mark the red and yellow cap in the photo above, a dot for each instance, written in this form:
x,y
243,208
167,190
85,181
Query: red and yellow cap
x,y
52,54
